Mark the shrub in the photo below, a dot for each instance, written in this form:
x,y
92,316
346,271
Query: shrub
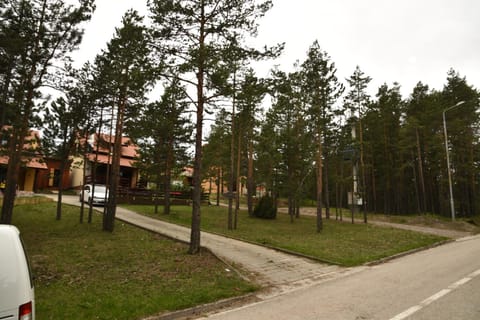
x,y
266,208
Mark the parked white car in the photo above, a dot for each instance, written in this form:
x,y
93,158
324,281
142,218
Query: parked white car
x,y
17,296
97,195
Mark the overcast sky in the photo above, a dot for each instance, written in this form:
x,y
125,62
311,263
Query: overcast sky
x,y
391,40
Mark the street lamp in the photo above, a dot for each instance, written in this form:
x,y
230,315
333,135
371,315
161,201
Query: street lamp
x,y
452,206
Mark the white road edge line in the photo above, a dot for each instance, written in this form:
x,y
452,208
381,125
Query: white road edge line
x,y
436,296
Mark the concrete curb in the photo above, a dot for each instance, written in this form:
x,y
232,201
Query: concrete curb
x,y
406,253
206,308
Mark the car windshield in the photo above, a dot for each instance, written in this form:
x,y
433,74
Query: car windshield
x,y
100,189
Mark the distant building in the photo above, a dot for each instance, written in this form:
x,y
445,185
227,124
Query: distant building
x,y
33,163
98,161
49,178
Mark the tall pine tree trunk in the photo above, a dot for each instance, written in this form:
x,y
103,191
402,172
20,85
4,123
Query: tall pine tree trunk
x,y
239,184
420,173
471,181
158,183
232,162
327,191
362,169
250,179
374,188
415,180
168,175
84,171
354,184
13,171
386,191
291,206
16,145
197,183
319,183
109,217
197,166
341,191
5,92
63,165
219,182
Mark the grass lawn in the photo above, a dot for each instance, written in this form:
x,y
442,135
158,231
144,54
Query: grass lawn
x,y
467,224
85,273
340,242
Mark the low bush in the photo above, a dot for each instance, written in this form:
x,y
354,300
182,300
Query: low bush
x,y
265,208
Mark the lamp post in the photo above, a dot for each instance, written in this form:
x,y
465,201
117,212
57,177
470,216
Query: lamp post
x,y
452,206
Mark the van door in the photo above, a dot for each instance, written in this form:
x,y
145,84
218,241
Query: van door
x,y
16,285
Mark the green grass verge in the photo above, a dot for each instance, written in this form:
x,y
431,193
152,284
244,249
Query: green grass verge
x,y
340,242
85,273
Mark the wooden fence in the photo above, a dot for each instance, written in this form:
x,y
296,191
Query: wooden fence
x,y
150,197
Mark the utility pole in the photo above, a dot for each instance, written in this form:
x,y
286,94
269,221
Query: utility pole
x,y
450,187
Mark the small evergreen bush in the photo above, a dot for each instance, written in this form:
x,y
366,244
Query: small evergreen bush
x,y
266,208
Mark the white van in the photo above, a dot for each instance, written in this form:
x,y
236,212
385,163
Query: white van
x,y
16,283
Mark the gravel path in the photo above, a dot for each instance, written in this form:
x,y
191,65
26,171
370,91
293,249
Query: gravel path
x,y
454,234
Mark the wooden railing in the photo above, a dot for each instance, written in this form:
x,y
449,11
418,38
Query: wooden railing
x,y
145,196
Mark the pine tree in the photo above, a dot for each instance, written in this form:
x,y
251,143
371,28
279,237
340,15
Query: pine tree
x,y
65,119
125,71
383,121
269,154
290,127
43,33
416,127
194,35
217,151
321,89
163,133
357,101
252,92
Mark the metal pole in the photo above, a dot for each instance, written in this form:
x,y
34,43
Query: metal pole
x,y
452,205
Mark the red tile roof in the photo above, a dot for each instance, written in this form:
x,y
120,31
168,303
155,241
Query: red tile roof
x,y
32,141
103,158
35,162
129,149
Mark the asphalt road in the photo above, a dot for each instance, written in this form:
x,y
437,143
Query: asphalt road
x,y
440,283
